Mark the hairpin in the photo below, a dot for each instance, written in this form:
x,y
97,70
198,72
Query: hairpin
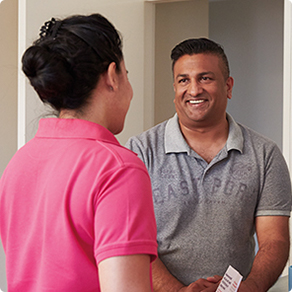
x,y
50,28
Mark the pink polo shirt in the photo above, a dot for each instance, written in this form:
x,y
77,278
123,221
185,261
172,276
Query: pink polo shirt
x,y
70,198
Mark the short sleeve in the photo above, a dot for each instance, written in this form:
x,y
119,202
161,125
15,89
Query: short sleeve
x,y
124,221
275,196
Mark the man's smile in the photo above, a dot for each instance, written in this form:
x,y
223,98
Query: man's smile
x,y
196,101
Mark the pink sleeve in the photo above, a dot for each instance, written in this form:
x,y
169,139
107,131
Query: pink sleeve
x,y
124,221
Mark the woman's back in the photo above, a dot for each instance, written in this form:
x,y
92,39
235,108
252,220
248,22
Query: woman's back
x,y
68,200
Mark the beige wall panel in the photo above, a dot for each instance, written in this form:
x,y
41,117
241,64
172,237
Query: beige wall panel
x,y
8,81
8,96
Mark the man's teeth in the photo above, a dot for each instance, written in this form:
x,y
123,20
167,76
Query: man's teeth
x,y
196,101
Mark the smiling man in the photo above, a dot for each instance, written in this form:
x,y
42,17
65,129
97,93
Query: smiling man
x,y
215,183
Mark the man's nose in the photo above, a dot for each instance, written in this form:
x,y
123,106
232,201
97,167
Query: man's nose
x,y
195,88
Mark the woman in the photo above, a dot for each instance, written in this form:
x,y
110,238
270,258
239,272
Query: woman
x,y
76,209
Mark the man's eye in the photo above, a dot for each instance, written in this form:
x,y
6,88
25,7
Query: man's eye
x,y
205,78
182,80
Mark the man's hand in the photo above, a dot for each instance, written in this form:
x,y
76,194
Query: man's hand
x,y
163,281
203,285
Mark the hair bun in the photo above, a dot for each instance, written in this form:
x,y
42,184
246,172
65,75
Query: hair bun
x,y
44,70
65,63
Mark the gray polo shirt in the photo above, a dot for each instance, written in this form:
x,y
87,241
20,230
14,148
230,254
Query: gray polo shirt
x,y
205,212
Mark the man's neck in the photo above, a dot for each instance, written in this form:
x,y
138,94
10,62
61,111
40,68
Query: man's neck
x,y
207,141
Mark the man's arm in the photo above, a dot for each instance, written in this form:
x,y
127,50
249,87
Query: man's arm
x,y
163,281
273,238
125,274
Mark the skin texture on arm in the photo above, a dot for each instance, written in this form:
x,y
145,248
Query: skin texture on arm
x,y
125,274
163,281
273,239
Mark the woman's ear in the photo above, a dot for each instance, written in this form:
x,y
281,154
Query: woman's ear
x,y
111,76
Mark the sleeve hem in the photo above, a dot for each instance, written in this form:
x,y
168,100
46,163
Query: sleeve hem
x,y
273,213
124,249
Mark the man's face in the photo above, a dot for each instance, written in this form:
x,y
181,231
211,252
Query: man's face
x,y
201,90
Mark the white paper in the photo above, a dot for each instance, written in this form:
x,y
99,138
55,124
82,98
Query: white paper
x,y
230,282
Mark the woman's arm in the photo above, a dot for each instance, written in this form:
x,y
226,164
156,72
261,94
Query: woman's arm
x,y
125,274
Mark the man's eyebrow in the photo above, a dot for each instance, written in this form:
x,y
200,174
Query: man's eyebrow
x,y
200,74
181,75
206,73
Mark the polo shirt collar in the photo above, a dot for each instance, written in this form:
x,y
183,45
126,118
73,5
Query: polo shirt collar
x,y
173,139
175,143
74,129
235,136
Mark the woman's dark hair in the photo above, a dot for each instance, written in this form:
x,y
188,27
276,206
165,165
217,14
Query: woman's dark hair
x,y
65,63
200,46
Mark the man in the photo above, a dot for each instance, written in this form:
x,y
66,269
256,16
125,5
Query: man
x,y
215,182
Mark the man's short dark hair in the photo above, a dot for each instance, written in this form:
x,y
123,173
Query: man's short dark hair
x,y
200,46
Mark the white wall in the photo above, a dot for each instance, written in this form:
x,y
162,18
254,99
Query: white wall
x,y
287,92
251,32
287,86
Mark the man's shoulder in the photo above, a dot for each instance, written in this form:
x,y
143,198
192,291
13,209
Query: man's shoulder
x,y
259,144
254,136
151,136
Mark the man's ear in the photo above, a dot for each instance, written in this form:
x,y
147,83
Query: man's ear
x,y
111,76
229,84
174,86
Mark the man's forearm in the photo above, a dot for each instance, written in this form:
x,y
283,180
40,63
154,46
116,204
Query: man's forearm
x,y
163,281
267,267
